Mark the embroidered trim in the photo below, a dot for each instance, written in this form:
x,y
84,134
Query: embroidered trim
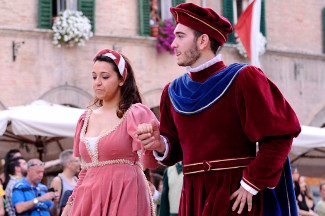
x,y
209,104
202,22
252,184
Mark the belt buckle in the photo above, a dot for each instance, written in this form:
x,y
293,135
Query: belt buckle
x,y
206,166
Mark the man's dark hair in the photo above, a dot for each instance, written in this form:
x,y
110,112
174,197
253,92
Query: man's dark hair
x,y
214,45
321,185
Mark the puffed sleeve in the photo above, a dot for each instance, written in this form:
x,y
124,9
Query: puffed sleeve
x,y
169,131
266,117
76,139
77,154
140,114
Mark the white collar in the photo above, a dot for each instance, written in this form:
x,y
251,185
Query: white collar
x,y
204,65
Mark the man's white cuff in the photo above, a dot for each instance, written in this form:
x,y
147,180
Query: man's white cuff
x,y
155,153
248,188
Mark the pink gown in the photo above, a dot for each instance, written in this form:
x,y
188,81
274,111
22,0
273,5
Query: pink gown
x,y
112,181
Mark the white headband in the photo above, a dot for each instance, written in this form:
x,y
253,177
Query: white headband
x,y
121,63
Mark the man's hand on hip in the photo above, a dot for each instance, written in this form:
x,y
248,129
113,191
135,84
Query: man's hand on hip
x,y
242,197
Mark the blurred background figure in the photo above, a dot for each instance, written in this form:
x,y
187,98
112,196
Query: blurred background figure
x,y
172,189
17,169
12,153
305,200
295,179
67,180
2,208
320,207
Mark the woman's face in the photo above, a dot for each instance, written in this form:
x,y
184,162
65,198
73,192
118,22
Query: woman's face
x,y
106,83
302,184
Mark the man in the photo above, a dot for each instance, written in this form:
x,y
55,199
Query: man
x,y
211,119
320,207
172,189
17,169
30,197
66,180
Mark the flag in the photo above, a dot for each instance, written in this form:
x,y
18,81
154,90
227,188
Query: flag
x,y
248,30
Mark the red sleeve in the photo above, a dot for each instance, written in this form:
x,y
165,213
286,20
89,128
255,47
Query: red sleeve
x,y
267,118
76,139
169,131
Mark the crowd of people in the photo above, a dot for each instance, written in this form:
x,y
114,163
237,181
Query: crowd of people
x,y
304,196
211,119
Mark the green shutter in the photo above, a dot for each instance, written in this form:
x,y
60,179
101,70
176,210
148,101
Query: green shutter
x,y
144,17
323,30
87,7
177,2
263,26
45,14
228,12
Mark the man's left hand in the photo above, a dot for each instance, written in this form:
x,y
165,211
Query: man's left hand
x,y
243,197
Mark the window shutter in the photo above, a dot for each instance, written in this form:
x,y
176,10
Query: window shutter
x,y
177,2
228,12
87,7
323,30
144,17
45,14
263,26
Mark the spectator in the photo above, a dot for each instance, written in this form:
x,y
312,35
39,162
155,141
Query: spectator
x,y
305,199
17,169
30,197
172,189
66,180
157,184
295,179
320,207
2,194
12,153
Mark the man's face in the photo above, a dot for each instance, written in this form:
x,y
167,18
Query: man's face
x,y
74,164
23,167
35,173
185,45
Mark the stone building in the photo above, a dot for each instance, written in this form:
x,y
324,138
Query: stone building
x,y
32,68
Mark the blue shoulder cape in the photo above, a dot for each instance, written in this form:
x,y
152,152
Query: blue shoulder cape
x,y
189,97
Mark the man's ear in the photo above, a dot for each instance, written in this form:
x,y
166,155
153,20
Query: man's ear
x,y
203,41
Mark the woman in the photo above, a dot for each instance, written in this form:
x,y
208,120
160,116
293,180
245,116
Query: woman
x,y
112,181
305,199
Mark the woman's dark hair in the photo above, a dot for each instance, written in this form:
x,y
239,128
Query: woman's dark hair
x,y
7,169
214,45
129,91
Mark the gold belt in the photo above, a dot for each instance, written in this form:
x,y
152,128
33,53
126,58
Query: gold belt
x,y
110,162
216,165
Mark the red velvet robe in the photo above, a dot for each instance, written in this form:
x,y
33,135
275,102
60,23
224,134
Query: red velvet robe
x,y
252,110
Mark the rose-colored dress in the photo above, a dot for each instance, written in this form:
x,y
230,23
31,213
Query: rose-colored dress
x,y
112,181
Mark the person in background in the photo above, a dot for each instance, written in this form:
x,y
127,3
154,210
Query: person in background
x,y
112,181
30,197
2,207
17,170
320,207
211,119
305,200
66,180
295,179
172,190
12,153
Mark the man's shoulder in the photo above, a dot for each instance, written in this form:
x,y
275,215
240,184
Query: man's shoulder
x,y
21,184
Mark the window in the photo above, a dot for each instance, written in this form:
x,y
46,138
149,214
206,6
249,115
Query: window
x,y
47,9
232,9
153,11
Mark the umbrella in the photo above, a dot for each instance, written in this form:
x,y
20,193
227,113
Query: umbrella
x,y
308,152
40,129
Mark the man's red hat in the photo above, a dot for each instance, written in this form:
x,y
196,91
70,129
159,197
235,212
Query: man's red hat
x,y
204,20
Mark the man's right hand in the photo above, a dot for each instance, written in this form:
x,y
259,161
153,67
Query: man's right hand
x,y
149,136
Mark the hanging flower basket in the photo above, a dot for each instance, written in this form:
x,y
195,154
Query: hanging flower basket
x,y
165,37
71,28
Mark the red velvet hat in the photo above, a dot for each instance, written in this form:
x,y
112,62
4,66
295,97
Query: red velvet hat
x,y
204,20
118,60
